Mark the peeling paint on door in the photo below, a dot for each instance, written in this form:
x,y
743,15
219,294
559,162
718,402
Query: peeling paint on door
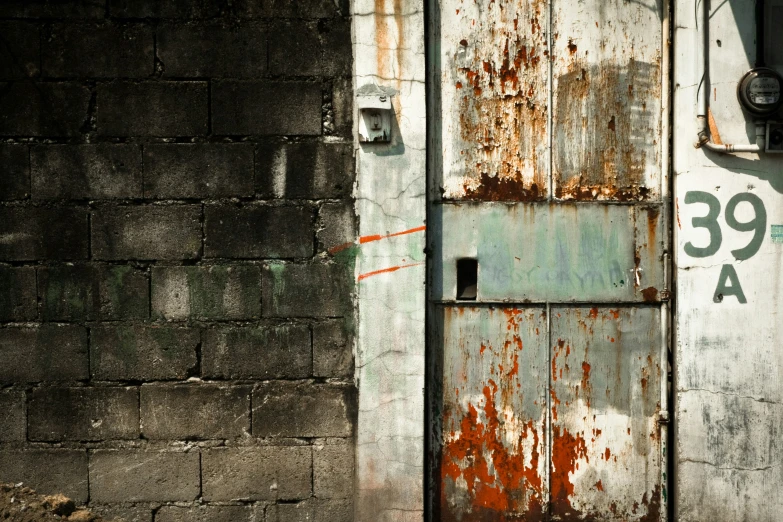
x,y
549,418
547,378
606,379
493,460
606,72
494,95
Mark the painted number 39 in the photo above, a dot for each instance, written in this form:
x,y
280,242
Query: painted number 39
x,y
728,282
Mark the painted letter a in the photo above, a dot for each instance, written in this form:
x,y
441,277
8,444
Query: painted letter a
x,y
728,284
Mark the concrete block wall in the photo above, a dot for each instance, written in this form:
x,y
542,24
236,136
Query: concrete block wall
x,y
175,322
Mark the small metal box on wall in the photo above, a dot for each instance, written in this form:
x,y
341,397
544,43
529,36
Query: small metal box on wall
x,y
375,113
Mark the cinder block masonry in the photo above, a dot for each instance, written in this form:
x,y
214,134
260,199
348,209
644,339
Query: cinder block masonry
x,y
175,335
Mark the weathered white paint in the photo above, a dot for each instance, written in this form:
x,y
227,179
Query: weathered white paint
x,y
388,45
729,411
608,387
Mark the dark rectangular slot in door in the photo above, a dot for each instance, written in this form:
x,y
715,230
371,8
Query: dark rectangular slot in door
x,y
467,279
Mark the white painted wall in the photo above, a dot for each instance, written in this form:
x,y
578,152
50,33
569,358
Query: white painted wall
x,y
729,361
388,44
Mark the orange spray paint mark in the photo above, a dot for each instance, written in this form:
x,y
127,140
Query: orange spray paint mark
x,y
375,237
368,239
340,248
386,270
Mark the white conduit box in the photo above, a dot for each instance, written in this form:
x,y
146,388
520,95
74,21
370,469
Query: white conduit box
x,y
375,113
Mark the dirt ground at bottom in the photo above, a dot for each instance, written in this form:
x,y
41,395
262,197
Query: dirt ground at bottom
x,y
22,504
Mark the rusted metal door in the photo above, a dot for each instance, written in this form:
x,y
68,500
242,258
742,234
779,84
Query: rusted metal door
x,y
548,230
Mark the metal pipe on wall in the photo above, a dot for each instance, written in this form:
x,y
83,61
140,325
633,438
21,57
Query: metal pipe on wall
x,y
665,133
702,105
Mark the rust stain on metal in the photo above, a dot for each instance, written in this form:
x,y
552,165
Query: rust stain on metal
x,y
604,131
579,446
585,384
495,475
503,116
637,263
650,294
677,212
567,450
490,456
714,133
496,188
652,224
653,506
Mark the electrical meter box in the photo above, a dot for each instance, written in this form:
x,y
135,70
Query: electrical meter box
x,y
759,91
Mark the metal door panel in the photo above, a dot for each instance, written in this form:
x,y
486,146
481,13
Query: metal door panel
x,y
606,90
494,100
605,398
494,387
546,168
540,252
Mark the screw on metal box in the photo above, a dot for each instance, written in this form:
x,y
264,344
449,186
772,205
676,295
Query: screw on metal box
x,y
375,114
